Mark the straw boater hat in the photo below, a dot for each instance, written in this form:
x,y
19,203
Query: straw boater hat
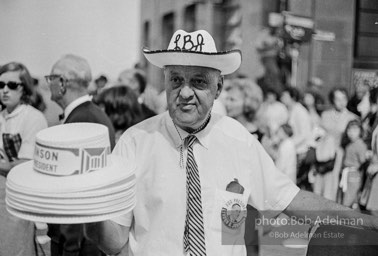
x,y
195,49
72,178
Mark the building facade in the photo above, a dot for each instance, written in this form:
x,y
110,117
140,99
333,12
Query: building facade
x,y
344,55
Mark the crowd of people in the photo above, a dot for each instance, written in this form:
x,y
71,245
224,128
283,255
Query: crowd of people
x,y
324,150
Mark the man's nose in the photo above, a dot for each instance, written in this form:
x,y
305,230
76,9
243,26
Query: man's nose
x,y
186,91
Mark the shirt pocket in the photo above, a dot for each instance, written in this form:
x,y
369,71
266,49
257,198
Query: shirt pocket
x,y
229,215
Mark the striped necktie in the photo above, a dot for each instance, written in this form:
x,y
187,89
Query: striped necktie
x,y
194,234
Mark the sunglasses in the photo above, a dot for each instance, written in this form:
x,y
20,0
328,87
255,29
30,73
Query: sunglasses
x,y
11,85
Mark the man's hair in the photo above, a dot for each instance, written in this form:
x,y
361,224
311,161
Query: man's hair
x,y
331,95
345,138
75,68
271,90
138,75
251,92
287,129
25,77
121,105
101,78
293,92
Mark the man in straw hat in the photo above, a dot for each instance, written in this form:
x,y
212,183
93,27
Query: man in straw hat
x,y
194,165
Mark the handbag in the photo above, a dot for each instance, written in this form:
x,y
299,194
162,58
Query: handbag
x,y
325,153
325,167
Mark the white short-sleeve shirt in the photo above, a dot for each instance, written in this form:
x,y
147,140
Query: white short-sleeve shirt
x,y
225,151
26,121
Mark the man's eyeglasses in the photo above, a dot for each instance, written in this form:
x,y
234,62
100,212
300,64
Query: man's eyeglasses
x,y
51,78
11,85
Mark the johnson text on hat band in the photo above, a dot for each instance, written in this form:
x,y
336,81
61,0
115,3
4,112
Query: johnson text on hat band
x,y
62,161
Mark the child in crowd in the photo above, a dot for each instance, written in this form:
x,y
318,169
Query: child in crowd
x,y
286,158
354,156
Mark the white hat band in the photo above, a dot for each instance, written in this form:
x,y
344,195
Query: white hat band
x,y
61,161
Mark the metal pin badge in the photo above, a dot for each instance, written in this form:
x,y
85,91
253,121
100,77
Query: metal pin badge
x,y
235,187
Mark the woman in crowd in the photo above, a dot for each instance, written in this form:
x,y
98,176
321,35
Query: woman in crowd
x,y
334,122
243,101
273,112
121,104
286,158
354,156
19,124
310,102
148,97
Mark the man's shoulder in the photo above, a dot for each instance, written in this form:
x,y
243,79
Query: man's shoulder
x,y
88,112
148,126
231,128
300,109
360,145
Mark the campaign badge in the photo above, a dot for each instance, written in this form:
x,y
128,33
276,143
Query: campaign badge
x,y
234,213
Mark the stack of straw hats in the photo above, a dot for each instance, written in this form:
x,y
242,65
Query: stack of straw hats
x,y
73,178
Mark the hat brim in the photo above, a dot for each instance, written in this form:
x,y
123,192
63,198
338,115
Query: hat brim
x,y
71,219
226,62
26,179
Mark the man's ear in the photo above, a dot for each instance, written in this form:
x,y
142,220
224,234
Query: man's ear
x,y
219,86
63,89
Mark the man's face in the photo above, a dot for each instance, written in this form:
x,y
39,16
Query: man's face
x,y
56,84
235,212
191,92
286,99
340,100
353,132
235,103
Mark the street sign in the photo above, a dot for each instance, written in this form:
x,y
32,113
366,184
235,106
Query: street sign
x,y
321,35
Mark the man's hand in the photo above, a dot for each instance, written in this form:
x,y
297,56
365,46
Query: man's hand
x,y
109,236
372,169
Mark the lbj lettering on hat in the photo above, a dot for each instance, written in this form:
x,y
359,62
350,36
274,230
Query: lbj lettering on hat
x,y
195,49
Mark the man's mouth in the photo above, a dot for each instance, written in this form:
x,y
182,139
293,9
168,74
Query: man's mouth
x,y
186,106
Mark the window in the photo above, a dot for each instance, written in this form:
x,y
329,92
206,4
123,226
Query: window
x,y
366,37
168,28
190,18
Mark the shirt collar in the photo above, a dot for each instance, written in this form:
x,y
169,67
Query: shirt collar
x,y
15,112
74,104
203,136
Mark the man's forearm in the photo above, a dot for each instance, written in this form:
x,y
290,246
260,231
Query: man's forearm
x,y
315,207
109,236
6,166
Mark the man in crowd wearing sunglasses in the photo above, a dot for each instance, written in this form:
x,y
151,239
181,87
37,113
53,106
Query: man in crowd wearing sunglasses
x,y
68,83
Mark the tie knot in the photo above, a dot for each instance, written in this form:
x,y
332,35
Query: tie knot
x,y
189,140
61,116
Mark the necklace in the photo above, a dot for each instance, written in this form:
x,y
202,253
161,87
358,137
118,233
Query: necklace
x,y
202,126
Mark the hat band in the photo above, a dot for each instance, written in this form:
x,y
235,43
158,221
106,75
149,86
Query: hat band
x,y
69,161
